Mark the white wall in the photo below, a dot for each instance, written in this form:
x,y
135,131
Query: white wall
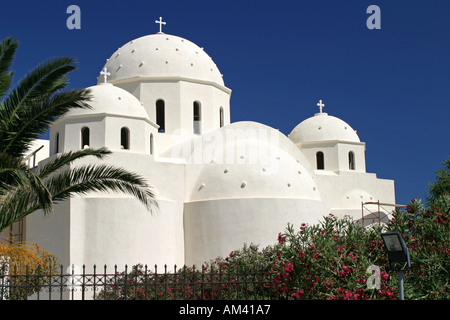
x,y
113,228
345,192
217,227
179,97
52,231
336,154
118,230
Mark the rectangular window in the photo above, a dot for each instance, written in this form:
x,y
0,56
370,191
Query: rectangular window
x,y
197,117
160,115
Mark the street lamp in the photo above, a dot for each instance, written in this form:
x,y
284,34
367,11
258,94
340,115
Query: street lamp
x,y
398,254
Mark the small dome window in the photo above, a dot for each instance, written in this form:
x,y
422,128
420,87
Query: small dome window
x,y
160,115
85,136
221,119
125,138
351,160
57,143
320,160
151,143
197,111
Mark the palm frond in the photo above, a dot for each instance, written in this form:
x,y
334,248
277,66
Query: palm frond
x,y
34,120
41,82
14,174
24,199
8,48
101,178
16,204
28,181
32,99
8,165
10,177
26,111
68,157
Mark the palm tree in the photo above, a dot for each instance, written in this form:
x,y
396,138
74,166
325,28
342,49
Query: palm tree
x,y
26,111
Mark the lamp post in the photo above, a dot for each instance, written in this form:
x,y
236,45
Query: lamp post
x,y
398,254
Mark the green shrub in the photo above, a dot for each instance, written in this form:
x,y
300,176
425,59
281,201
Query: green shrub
x,y
335,259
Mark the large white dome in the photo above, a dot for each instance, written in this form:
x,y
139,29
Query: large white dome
x,y
322,127
248,160
159,56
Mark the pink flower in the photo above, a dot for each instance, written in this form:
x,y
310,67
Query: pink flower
x,y
298,294
288,267
281,239
352,256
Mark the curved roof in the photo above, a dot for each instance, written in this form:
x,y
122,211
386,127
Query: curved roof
x,y
248,160
161,56
111,100
322,127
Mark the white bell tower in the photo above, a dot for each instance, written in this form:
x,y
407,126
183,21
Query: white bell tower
x,y
178,84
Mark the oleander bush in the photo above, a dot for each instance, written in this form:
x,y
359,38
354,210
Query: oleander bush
x,y
333,260
336,258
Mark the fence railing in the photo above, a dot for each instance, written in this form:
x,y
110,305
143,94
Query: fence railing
x,y
135,283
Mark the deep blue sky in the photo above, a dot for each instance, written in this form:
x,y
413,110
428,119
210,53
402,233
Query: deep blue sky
x,y
280,57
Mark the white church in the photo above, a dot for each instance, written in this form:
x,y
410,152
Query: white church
x,y
162,107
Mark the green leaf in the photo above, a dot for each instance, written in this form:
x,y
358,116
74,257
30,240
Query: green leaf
x,y
100,178
67,158
8,49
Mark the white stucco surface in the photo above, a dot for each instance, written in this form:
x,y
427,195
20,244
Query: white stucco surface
x,y
162,56
218,184
323,127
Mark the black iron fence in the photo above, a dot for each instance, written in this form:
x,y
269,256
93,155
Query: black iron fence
x,y
135,283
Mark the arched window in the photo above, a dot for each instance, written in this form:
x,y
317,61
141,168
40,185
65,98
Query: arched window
x,y
197,117
160,115
85,137
151,143
221,117
351,160
57,143
320,160
125,138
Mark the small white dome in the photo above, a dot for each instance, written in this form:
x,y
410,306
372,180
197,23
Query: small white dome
x,y
161,56
323,127
109,99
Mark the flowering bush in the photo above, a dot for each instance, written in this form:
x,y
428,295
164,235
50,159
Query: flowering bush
x,y
335,259
426,233
330,261
17,262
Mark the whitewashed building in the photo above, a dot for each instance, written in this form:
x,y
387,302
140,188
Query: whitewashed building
x,y
162,107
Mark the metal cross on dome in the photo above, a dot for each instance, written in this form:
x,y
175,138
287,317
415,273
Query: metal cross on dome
x,y
105,74
320,105
160,24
